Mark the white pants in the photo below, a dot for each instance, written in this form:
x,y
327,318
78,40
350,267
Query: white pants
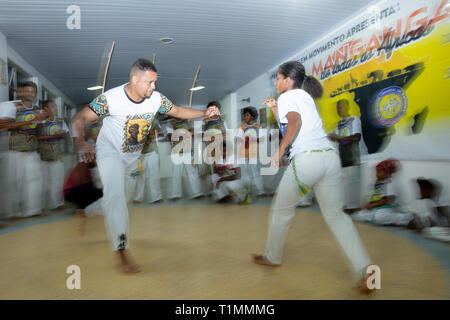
x,y
250,175
150,180
3,183
235,188
193,179
53,174
23,195
351,184
118,189
383,216
321,171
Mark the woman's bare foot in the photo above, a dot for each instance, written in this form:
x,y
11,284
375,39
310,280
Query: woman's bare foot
x,y
127,264
260,259
362,285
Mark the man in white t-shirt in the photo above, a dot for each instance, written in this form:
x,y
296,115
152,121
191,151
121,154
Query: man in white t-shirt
x,y
128,112
348,135
23,175
7,116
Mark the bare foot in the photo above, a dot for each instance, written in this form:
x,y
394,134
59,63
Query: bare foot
x,y
127,264
260,259
362,287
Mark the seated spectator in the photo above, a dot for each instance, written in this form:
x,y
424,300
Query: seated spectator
x,y
381,207
425,209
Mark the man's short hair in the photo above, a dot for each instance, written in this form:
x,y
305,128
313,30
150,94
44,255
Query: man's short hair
x,y
214,103
344,102
46,102
28,84
143,65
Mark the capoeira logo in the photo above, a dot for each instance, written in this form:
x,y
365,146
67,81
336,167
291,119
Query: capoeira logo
x,y
27,115
135,132
389,106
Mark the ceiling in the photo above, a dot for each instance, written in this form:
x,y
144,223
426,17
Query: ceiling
x,y
234,41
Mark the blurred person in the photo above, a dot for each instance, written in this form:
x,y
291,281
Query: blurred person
x,y
189,170
425,208
80,190
50,133
248,138
314,164
7,116
381,208
150,180
135,102
348,135
92,131
23,197
227,182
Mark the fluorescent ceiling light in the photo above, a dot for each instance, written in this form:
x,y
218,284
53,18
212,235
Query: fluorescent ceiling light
x,y
166,40
95,88
197,88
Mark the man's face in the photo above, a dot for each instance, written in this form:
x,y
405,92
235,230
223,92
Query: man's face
x,y
51,108
248,117
146,83
342,109
28,94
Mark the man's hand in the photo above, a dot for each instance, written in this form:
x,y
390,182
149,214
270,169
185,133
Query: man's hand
x,y
333,136
86,152
41,116
212,113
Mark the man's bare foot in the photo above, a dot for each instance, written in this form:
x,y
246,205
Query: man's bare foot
x,y
260,259
127,264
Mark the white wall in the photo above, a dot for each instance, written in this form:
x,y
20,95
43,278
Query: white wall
x,y
18,60
4,94
229,110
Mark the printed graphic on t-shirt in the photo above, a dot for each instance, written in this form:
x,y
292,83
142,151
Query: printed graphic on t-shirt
x,y
136,130
50,149
24,139
250,132
27,115
216,125
100,106
345,129
166,105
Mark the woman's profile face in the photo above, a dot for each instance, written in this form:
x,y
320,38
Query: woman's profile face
x,y
281,83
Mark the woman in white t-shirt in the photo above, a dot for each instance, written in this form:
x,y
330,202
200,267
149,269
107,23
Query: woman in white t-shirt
x,y
314,164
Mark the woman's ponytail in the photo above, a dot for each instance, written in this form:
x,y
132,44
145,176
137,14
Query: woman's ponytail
x,y
313,87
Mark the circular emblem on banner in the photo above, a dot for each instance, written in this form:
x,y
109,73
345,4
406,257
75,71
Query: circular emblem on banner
x,y
389,106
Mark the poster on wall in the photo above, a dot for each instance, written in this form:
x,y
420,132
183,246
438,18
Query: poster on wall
x,y
392,64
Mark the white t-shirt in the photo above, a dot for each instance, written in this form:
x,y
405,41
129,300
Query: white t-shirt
x,y
126,123
7,111
350,126
312,136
